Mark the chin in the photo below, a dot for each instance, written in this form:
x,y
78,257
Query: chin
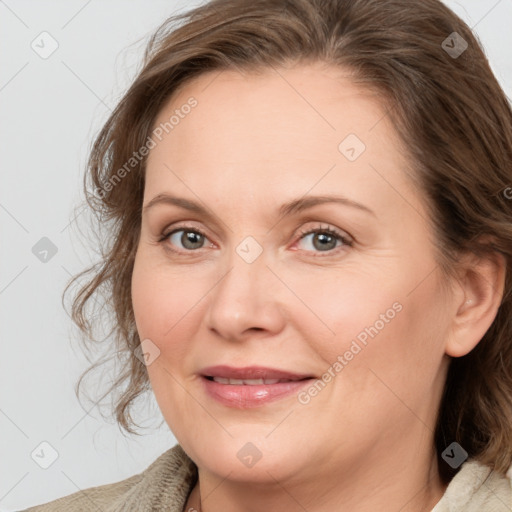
x,y
247,458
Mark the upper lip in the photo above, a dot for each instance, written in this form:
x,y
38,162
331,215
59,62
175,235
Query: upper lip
x,y
251,372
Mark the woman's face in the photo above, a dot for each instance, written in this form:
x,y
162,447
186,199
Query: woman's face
x,y
238,271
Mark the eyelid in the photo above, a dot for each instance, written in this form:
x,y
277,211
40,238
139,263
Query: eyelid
x,y
327,229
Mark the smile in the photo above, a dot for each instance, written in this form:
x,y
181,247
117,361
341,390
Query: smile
x,y
250,387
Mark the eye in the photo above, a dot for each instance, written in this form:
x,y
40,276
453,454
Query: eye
x,y
325,239
190,239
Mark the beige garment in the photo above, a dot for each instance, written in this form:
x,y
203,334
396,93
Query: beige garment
x,y
167,482
162,486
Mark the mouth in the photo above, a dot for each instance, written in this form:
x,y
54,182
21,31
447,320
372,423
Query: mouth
x,y
250,382
252,373
251,386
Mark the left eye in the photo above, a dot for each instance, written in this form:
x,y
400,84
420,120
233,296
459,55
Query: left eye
x,y
324,240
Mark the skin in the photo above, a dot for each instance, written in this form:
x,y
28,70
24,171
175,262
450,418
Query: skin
x,y
252,143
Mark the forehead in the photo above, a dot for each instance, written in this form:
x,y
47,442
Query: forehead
x,y
278,131
268,100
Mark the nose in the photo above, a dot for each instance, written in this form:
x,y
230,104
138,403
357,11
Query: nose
x,y
246,301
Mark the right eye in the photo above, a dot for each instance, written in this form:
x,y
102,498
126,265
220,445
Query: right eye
x,y
189,238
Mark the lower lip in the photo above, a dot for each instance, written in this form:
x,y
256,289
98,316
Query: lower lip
x,y
242,396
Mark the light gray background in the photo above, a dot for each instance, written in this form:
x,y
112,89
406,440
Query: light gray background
x,y
50,111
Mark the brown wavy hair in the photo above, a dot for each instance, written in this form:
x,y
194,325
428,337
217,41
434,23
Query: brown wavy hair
x,y
449,111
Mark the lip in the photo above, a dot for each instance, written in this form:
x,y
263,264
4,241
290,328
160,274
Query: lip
x,y
244,396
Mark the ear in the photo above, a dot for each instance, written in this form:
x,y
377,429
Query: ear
x,y
480,289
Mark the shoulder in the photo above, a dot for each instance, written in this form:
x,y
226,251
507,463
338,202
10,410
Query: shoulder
x,y
477,488
168,480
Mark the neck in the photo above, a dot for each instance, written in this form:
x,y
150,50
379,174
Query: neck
x,y
413,488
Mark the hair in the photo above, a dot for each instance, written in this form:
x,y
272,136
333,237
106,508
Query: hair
x,y
449,111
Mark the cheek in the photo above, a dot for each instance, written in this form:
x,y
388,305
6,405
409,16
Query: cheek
x,y
166,303
356,326
340,306
164,299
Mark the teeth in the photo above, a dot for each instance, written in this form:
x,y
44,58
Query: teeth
x,y
248,382
221,380
253,382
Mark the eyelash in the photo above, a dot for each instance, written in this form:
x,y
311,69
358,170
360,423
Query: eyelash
x,y
346,242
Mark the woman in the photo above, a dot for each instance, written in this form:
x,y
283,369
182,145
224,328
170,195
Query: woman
x,y
310,261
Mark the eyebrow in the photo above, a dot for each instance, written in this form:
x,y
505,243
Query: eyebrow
x,y
292,207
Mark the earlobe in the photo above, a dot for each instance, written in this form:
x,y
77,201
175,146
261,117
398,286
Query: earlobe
x,y
482,285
